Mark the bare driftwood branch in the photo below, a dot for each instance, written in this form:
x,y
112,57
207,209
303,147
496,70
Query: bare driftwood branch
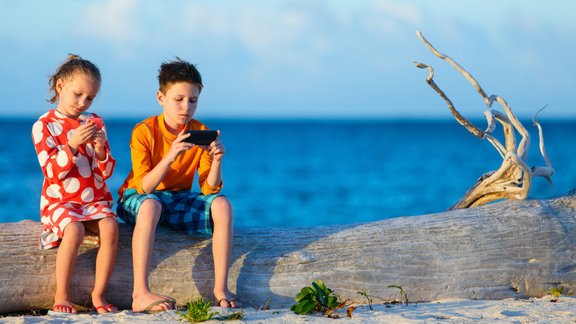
x,y
514,178
509,249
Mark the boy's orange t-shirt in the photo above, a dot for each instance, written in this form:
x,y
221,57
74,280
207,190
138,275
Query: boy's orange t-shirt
x,y
149,144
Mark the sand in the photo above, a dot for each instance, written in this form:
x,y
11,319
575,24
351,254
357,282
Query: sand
x,y
535,310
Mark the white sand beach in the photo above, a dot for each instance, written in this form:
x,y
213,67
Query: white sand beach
x,y
534,310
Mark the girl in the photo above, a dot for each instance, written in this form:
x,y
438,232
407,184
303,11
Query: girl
x,y
75,159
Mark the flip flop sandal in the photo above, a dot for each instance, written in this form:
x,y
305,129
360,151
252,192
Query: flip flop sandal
x,y
148,309
107,308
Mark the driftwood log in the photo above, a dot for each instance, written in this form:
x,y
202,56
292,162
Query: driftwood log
x,y
506,249
514,177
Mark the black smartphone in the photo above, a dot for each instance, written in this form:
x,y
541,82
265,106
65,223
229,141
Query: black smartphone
x,y
201,137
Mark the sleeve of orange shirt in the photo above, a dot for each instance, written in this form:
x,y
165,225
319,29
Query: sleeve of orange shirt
x,y
141,154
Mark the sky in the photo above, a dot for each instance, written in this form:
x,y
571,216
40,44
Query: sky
x,y
296,58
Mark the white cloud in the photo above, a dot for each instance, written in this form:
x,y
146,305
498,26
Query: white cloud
x,y
113,21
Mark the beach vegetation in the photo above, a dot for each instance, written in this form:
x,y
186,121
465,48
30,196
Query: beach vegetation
x,y
266,305
317,298
368,299
403,294
198,311
233,316
556,293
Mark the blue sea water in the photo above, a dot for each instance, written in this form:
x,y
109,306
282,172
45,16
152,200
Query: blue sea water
x,y
318,172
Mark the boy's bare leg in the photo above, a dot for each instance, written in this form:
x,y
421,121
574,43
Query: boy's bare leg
x,y
222,215
107,228
66,258
142,247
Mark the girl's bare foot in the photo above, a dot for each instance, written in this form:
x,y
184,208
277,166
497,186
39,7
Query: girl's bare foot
x,y
102,306
64,306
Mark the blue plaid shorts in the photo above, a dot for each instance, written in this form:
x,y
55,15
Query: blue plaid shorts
x,y
184,211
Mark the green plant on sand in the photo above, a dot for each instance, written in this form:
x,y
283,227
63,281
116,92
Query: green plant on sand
x,y
315,298
403,294
365,294
556,292
198,311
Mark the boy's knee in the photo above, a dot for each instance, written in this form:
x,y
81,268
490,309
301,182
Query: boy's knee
x,y
221,204
149,211
221,209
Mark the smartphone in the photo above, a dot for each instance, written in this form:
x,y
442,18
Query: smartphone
x,y
96,120
201,137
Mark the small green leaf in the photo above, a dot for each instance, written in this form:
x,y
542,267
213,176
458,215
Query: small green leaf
x,y
320,284
304,293
304,307
331,301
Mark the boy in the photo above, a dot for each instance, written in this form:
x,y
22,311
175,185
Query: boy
x,y
157,190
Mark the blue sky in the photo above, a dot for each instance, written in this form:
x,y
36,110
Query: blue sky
x,y
296,58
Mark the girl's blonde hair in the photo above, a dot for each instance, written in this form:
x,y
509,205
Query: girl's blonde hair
x,y
73,64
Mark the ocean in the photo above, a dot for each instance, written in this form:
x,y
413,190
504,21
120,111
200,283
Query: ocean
x,y
318,172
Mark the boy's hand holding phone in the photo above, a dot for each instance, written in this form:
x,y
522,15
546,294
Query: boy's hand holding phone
x,y
201,137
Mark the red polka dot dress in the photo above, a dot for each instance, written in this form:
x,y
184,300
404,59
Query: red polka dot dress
x,y
74,188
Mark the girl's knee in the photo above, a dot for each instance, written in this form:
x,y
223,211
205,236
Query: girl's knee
x,y
74,232
108,228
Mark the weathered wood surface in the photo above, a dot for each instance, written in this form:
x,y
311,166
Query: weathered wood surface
x,y
501,250
513,179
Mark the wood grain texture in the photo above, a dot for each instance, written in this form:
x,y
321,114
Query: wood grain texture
x,y
507,249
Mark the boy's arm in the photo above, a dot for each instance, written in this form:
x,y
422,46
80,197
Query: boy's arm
x,y
147,175
210,169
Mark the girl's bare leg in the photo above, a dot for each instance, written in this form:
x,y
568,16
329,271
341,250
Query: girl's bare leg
x,y
107,228
222,215
66,258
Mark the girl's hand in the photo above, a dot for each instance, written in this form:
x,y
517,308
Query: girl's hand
x,y
178,146
82,134
99,142
216,149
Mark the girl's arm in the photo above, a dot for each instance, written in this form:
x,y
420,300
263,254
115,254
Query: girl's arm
x,y
55,160
106,162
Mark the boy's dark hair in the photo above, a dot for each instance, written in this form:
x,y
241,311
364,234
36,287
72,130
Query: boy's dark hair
x,y
178,71
73,64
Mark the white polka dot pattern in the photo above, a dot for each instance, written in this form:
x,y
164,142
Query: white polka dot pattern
x,y
42,158
37,132
83,167
74,187
62,158
88,194
55,128
53,191
71,185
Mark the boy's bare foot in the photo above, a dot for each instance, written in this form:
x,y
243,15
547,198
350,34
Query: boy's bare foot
x,y
222,300
227,303
151,302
